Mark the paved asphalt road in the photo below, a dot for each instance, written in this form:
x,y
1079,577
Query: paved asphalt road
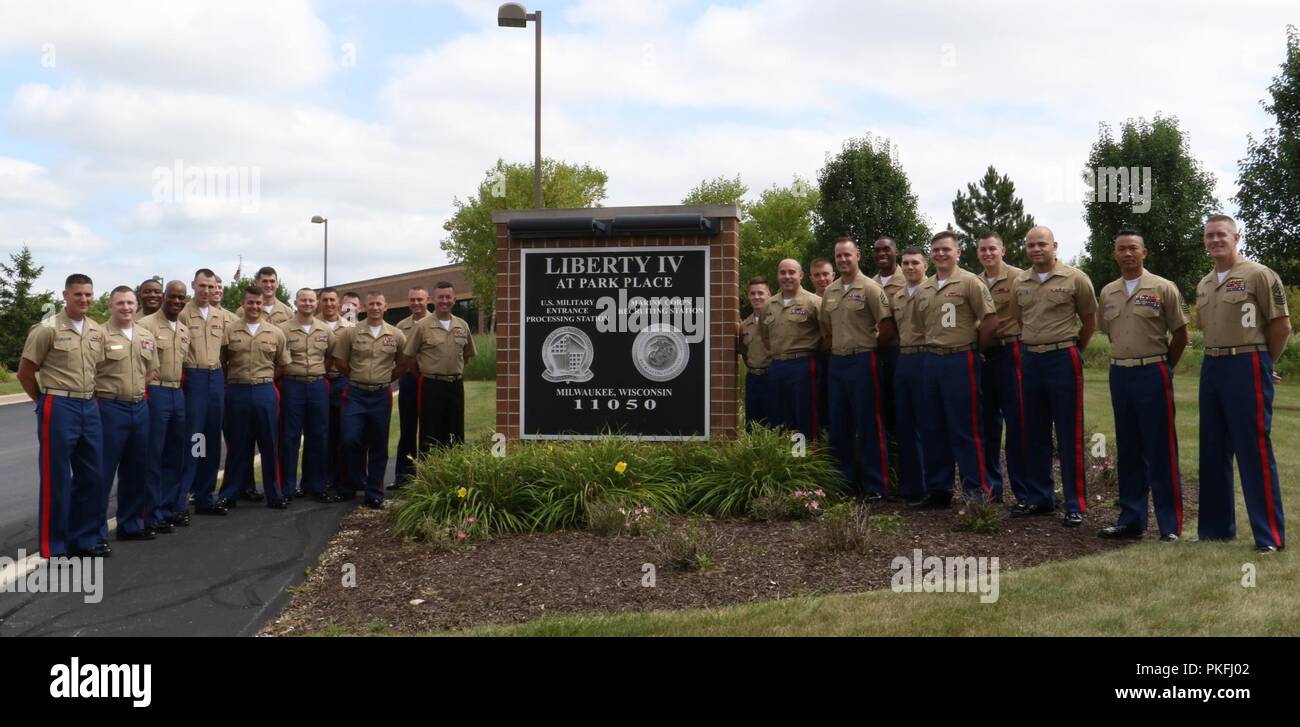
x,y
223,576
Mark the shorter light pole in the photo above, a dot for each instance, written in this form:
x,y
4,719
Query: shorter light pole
x,y
325,277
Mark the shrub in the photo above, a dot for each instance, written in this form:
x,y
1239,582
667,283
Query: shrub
x,y
845,527
757,464
5,376
688,546
612,517
795,505
980,516
483,367
886,524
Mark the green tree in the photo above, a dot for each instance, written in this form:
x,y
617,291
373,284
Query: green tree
x,y
992,206
779,225
99,311
1268,179
719,190
865,194
1170,212
20,307
232,293
472,241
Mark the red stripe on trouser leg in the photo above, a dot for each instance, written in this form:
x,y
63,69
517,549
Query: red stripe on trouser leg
x,y
46,484
1078,426
812,368
975,423
880,426
1263,449
1173,449
1020,394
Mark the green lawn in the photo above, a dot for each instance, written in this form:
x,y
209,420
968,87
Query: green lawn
x,y
1186,588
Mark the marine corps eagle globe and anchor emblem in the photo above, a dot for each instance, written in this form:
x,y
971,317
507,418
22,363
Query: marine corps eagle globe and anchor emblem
x,y
567,353
660,352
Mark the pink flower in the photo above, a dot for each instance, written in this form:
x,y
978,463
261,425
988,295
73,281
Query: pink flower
x,y
818,492
472,520
798,493
813,504
460,535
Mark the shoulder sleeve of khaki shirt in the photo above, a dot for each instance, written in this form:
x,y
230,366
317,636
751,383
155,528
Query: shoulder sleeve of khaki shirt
x,y
411,346
39,341
153,353
1270,294
283,357
1084,299
1013,303
343,343
470,350
401,339
980,299
1175,309
883,308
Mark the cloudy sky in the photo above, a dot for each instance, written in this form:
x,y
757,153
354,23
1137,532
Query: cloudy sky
x,y
378,114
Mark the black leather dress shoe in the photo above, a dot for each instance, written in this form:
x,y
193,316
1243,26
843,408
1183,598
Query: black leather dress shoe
x,y
162,528
1073,520
1169,538
395,486
226,503
278,504
374,504
213,509
181,521
1268,549
327,497
252,495
1023,510
145,534
873,497
933,501
103,547
1115,532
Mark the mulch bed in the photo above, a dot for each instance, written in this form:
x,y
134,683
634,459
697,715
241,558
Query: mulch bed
x,y
519,578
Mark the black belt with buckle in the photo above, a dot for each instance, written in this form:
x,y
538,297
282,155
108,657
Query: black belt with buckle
x,y
1217,351
366,387
446,378
304,379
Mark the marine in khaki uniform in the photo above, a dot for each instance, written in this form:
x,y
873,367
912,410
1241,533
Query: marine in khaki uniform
x,y
274,311
959,321
1057,311
408,392
150,296
368,354
909,376
855,318
1002,374
439,346
327,304
205,390
129,365
255,352
167,427
1145,319
791,331
305,401
822,272
885,254
65,349
750,347
1242,308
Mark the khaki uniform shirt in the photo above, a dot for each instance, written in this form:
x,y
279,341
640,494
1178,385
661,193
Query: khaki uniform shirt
x,y
66,359
340,324
371,359
1049,311
907,316
750,344
279,314
440,352
952,314
308,352
794,328
1000,289
206,336
1139,325
896,283
252,357
127,362
173,346
1237,311
849,317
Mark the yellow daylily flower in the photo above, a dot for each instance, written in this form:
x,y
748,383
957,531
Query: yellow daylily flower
x,y
462,492
621,467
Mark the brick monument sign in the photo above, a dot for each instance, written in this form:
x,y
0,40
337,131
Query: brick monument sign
x,y
617,320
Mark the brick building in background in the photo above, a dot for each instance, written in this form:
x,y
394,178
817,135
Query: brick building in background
x,y
395,287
